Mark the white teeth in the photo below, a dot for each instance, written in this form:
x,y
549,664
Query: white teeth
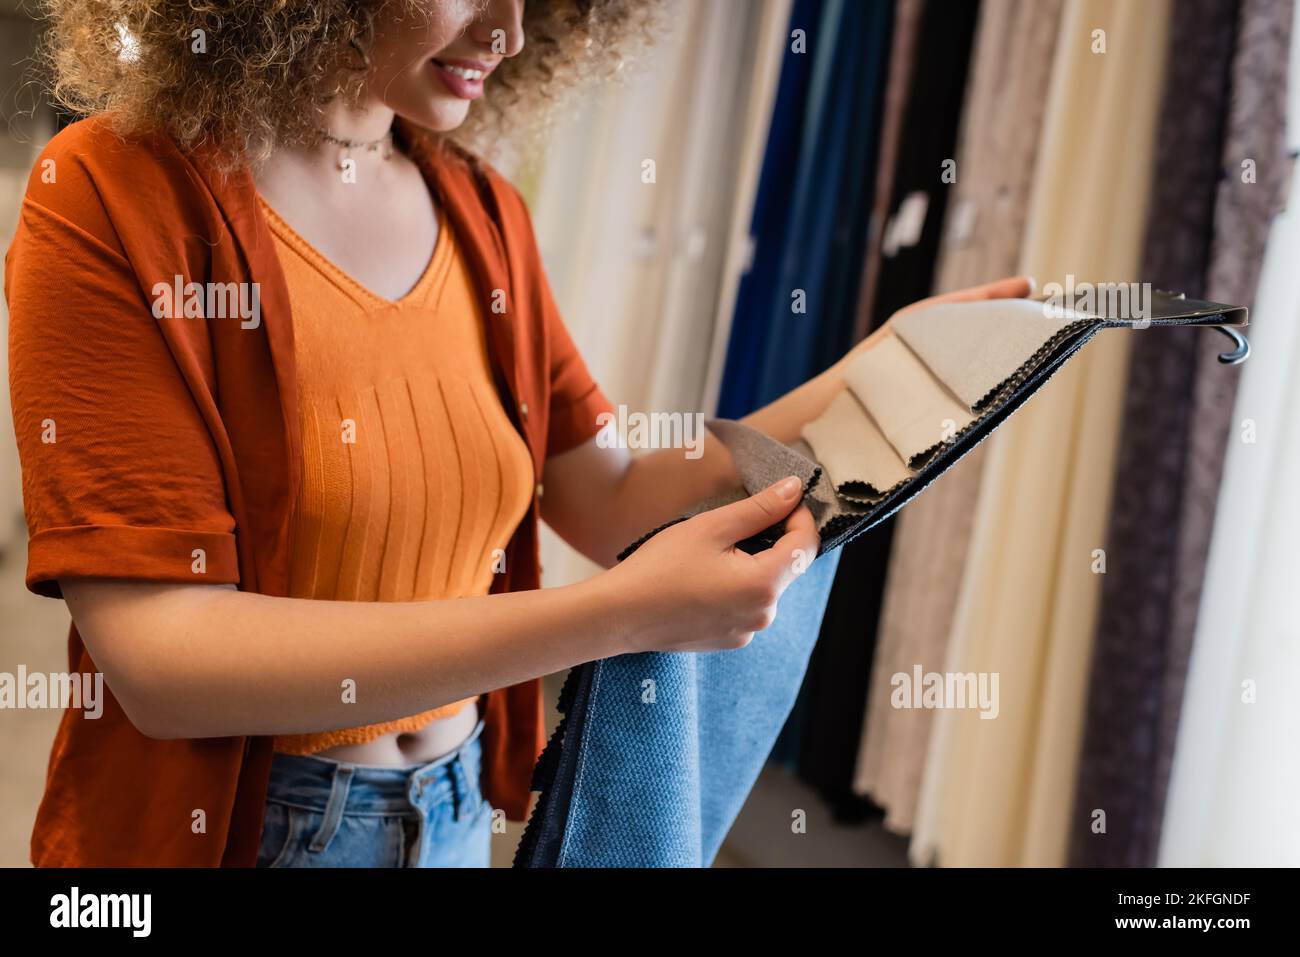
x,y
462,71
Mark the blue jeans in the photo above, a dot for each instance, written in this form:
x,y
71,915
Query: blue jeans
x,y
325,813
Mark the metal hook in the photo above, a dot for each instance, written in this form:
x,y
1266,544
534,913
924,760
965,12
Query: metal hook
x,y
1242,350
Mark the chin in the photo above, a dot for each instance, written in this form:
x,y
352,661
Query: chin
x,y
440,117
448,118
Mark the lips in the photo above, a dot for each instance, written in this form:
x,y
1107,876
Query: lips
x,y
463,78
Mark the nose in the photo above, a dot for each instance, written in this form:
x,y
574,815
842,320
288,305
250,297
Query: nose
x,y
500,27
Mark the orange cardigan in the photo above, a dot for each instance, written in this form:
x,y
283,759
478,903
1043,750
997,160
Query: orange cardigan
x,y
175,450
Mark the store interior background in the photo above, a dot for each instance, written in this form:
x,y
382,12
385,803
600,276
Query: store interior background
x,y
1032,117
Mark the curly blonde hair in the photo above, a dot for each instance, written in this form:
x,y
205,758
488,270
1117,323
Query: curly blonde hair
x,y
270,63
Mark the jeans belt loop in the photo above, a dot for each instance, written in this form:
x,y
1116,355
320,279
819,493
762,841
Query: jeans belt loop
x,y
338,799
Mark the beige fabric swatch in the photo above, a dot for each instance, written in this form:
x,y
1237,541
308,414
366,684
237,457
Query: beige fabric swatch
x,y
861,463
913,409
975,348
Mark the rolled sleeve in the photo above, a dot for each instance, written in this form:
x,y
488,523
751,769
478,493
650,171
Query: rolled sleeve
x,y
577,402
121,477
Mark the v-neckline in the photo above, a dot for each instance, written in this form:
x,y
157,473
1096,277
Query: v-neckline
x,y
415,294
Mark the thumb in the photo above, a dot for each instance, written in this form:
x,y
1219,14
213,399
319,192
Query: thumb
x,y
739,520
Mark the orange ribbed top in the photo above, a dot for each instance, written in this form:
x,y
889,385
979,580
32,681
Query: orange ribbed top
x,y
414,478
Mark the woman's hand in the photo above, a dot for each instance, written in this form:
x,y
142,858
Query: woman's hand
x,y
690,589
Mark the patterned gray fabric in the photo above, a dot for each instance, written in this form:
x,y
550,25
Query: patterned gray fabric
x,y
762,460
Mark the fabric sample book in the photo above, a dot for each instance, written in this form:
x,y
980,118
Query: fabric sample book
x,y
968,367
657,752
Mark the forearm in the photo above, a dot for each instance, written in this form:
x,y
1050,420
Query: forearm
x,y
784,418
601,500
659,485
604,498
211,662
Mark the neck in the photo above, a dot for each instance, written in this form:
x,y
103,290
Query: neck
x,y
366,122
316,167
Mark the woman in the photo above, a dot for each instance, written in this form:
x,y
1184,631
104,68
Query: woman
x,y
291,394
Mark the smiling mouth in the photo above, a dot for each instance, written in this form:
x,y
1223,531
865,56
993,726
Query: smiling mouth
x,y
465,73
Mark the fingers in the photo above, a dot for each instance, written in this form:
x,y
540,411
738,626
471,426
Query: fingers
x,y
1013,287
739,520
794,551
